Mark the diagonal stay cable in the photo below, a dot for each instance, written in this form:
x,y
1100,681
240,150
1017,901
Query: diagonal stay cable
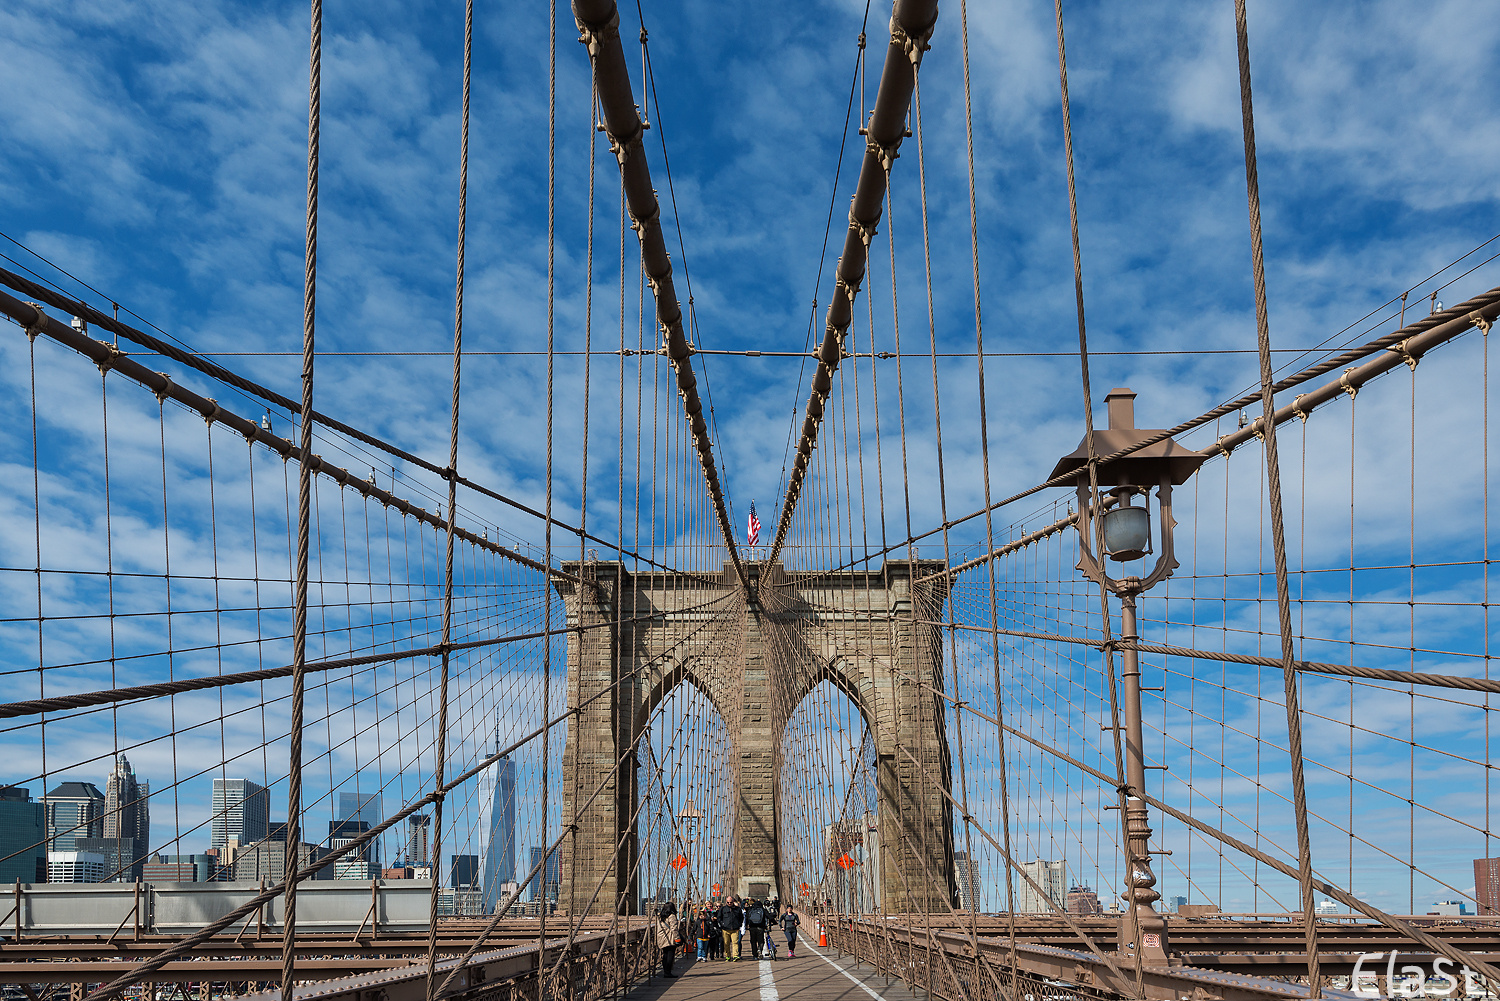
x,y
116,358
32,707
1409,341
1278,532
186,945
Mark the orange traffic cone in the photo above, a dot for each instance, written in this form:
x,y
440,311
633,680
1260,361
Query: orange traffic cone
x,y
822,936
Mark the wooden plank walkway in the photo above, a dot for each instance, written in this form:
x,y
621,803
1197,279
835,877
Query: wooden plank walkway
x,y
815,975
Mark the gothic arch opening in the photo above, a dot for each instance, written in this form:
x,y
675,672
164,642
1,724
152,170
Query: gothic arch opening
x,y
686,797
828,817
705,676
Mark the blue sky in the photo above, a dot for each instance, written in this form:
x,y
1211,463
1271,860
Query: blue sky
x,y
156,152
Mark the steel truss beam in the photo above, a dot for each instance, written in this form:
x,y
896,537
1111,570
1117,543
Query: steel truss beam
x,y
599,29
912,22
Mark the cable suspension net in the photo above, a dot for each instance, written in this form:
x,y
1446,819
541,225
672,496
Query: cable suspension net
x,y
270,676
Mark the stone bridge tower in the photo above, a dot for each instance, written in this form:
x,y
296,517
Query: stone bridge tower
x,y
636,636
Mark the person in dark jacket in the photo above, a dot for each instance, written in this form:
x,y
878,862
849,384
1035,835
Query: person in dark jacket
x,y
704,932
757,921
789,922
668,936
715,934
731,920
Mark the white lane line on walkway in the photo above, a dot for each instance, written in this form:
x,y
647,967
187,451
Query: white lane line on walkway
x,y
847,975
767,983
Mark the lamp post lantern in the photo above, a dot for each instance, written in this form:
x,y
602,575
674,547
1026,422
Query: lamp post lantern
x,y
1125,535
691,818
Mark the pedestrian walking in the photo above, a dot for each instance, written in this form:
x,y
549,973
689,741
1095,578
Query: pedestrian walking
x,y
705,931
715,934
757,921
668,936
789,922
731,920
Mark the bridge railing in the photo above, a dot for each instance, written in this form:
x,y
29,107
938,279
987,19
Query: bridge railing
x,y
943,962
584,968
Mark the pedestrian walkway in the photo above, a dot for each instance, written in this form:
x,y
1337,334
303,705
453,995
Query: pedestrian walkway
x,y
815,975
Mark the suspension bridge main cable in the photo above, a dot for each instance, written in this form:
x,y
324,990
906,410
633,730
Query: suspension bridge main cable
x,y
912,22
598,20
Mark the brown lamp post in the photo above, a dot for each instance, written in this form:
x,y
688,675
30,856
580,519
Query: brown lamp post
x,y
691,819
1126,532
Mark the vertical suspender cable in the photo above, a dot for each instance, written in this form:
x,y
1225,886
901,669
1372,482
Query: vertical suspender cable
x,y
939,713
989,527
1123,789
304,502
541,939
1278,534
435,857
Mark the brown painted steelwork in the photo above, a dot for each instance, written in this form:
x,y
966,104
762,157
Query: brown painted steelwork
x,y
73,307
1238,945
599,28
350,970
1052,970
108,357
911,25
1408,350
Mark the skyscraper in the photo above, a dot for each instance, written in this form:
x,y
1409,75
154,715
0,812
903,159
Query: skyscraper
x,y
1083,900
356,864
75,867
1051,878
127,812
463,871
127,820
966,874
500,853
23,837
1487,885
363,806
123,857
267,860
242,811
74,810
417,826
552,873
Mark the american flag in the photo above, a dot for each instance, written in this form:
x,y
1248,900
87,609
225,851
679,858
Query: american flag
x,y
754,529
